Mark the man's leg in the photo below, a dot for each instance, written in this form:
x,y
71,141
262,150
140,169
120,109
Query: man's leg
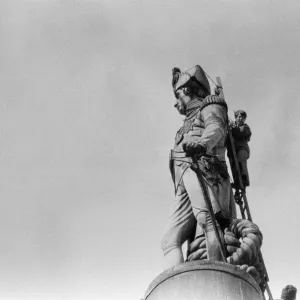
x,y
242,156
180,227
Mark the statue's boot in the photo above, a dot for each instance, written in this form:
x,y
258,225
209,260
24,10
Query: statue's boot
x,y
214,251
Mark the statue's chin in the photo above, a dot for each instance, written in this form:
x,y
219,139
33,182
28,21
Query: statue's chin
x,y
182,111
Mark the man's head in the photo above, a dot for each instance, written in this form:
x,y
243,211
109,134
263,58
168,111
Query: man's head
x,y
189,85
240,117
289,293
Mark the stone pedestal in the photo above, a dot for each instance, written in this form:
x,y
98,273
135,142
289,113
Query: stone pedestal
x,y
204,280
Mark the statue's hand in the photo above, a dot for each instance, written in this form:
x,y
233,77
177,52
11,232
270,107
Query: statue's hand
x,y
192,148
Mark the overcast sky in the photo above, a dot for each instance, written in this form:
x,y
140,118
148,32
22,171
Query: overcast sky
x,y
87,122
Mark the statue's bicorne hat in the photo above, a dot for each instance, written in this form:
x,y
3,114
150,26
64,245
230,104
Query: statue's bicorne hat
x,y
194,77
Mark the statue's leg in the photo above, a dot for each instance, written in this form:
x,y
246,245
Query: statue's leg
x,y
214,251
180,227
201,213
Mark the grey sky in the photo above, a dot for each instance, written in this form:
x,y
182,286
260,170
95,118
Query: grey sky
x,y
87,121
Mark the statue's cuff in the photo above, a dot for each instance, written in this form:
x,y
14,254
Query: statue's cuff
x,y
203,146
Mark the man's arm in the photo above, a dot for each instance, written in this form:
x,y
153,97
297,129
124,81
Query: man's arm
x,y
242,132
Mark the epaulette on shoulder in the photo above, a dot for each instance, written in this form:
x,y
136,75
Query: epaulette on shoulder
x,y
213,99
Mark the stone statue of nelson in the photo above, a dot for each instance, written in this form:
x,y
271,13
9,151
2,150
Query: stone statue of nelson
x,y
202,134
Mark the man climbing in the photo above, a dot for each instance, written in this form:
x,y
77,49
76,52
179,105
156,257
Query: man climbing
x,y
289,293
241,134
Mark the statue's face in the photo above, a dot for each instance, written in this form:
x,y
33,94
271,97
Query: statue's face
x,y
181,101
240,120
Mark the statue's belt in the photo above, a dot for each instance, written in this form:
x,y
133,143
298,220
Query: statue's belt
x,y
207,163
180,156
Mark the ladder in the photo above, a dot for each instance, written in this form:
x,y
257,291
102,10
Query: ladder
x,y
240,194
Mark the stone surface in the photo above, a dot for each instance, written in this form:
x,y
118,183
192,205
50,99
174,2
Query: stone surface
x,y
204,280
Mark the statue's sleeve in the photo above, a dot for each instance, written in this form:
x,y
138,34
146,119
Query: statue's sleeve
x,y
215,120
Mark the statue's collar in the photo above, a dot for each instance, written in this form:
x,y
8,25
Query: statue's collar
x,y
192,107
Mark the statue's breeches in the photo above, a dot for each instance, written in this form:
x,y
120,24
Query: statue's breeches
x,y
189,208
181,222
